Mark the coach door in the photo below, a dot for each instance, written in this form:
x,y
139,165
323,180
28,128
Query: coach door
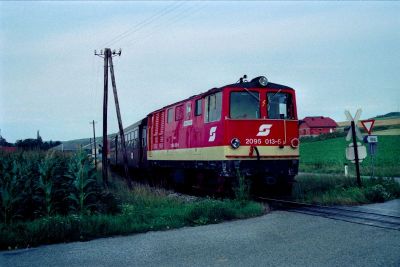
x,y
187,124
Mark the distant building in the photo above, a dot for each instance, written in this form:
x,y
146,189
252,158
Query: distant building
x,y
314,126
8,148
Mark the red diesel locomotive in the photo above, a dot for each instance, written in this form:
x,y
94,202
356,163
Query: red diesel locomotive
x,y
205,140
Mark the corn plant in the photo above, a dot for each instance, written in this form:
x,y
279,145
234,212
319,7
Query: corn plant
x,y
45,184
81,171
9,193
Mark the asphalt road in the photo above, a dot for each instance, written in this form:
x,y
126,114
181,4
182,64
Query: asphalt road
x,y
277,239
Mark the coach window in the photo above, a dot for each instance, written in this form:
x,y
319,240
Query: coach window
x,y
280,106
179,113
213,107
144,136
245,105
170,115
198,110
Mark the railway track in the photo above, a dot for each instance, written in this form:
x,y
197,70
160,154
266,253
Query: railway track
x,y
337,213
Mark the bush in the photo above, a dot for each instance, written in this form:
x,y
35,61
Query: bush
x,y
377,193
333,190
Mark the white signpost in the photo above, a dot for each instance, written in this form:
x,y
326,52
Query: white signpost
x,y
358,149
362,152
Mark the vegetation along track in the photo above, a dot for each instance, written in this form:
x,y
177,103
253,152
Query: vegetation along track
x,y
337,213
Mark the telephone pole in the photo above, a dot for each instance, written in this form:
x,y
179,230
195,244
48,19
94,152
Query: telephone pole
x,y
104,162
121,129
107,55
94,142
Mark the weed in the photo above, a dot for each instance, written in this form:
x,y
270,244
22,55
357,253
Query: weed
x,y
333,190
242,190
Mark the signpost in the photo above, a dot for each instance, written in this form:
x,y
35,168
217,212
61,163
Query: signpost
x,y
368,125
354,133
356,152
371,140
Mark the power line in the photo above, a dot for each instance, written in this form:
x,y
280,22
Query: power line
x,y
183,14
143,23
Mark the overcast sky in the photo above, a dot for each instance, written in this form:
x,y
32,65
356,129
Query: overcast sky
x,y
336,55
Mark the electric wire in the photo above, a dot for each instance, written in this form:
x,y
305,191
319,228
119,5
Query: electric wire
x,y
180,16
144,23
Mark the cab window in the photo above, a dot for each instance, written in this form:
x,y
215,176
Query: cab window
x,y
245,105
280,106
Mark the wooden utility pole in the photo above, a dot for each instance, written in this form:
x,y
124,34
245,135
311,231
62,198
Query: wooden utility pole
x,y
121,129
94,143
107,52
108,59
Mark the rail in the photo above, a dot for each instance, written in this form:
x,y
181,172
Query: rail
x,y
338,213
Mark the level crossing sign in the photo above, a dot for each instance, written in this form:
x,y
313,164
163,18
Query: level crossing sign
x,y
368,125
355,119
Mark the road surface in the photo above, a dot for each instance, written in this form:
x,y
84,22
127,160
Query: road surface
x,y
276,239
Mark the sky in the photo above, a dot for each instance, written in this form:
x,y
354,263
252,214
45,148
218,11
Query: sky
x,y
336,55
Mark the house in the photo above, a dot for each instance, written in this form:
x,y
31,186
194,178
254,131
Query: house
x,y
314,126
8,148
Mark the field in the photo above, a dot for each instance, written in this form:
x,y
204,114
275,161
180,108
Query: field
x,y
51,197
328,156
378,122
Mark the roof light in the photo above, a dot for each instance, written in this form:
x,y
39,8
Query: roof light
x,y
263,81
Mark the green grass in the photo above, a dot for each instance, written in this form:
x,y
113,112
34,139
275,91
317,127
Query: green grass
x,y
338,190
142,209
328,156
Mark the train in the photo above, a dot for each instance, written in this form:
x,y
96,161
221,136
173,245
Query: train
x,y
248,128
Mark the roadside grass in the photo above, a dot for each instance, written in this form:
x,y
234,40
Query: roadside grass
x,y
328,156
339,190
142,209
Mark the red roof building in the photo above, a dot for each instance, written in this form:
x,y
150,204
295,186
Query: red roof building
x,y
314,126
8,148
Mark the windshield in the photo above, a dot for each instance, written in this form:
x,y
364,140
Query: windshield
x,y
280,106
245,105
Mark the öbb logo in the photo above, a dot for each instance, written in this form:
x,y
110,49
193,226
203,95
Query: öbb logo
x,y
264,130
213,131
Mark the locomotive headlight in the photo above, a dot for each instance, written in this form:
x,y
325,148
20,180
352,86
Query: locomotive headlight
x,y
294,143
263,81
235,143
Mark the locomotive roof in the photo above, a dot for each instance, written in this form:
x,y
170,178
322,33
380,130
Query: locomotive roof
x,y
248,84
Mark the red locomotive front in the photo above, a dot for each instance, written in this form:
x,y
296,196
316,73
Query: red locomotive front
x,y
250,127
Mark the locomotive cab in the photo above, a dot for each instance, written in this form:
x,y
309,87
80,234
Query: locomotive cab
x,y
261,132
